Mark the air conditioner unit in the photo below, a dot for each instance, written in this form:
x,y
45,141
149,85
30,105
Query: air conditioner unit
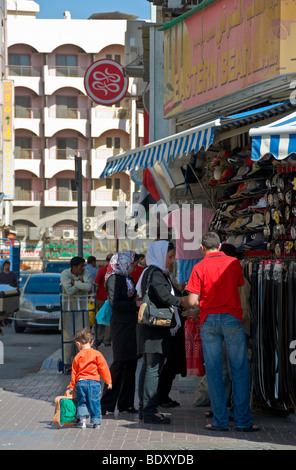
x,y
89,224
48,232
68,234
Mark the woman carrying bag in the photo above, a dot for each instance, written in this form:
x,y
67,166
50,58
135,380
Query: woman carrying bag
x,y
154,341
122,298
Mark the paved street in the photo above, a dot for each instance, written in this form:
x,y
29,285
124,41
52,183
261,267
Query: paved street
x,y
26,413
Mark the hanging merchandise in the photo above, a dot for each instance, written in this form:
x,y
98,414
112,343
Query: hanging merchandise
x,y
273,327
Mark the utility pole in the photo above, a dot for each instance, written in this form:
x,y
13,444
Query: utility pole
x,y
78,176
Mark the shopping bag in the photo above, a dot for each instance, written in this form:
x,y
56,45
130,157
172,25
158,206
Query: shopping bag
x,y
65,410
104,315
91,313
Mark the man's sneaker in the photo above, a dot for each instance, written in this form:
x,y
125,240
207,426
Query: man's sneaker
x,y
82,424
96,426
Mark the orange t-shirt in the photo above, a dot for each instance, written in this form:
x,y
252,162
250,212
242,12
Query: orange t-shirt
x,y
89,364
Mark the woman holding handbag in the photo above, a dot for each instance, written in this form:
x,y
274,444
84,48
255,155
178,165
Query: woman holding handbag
x,y
122,297
154,341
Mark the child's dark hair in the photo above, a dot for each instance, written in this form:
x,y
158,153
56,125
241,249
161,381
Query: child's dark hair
x,y
83,336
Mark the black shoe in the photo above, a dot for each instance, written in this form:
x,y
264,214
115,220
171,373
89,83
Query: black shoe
x,y
170,404
132,410
154,419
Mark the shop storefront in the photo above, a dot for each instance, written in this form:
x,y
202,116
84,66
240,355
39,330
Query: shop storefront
x,y
227,74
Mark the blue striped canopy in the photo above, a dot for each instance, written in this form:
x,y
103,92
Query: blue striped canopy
x,y
173,146
278,138
177,145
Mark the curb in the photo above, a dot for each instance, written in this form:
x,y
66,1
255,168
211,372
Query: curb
x,y
51,363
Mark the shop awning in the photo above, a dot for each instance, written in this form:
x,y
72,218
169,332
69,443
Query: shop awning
x,y
184,142
161,150
278,138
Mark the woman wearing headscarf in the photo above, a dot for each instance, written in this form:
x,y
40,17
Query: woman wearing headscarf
x,y
154,341
122,298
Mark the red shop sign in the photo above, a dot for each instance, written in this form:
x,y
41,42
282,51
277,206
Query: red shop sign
x,y
105,82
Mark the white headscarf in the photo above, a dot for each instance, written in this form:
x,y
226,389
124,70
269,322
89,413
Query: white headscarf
x,y
155,256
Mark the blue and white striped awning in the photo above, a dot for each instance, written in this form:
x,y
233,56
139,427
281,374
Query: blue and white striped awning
x,y
278,138
255,115
161,150
177,145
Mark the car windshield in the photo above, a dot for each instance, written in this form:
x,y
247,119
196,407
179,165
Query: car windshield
x,y
57,267
39,285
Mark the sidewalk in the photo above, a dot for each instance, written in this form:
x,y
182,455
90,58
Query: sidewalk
x,y
27,410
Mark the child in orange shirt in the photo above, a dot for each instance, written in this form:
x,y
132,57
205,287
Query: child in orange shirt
x,y
88,365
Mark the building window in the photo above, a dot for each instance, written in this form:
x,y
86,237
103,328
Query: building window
x,y
22,107
66,190
118,58
116,183
109,142
66,148
66,107
22,189
108,183
117,143
66,65
23,147
19,64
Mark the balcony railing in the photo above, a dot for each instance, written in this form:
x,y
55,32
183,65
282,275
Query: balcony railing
x,y
69,154
65,195
27,113
27,195
66,71
68,113
24,71
28,154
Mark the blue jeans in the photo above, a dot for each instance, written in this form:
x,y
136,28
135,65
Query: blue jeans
x,y
216,329
89,400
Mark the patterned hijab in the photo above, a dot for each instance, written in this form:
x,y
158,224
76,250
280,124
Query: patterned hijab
x,y
120,264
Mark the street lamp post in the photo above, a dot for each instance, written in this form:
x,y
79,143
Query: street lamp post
x,y
78,176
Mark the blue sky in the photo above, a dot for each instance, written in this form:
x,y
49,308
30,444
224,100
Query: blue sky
x,y
82,9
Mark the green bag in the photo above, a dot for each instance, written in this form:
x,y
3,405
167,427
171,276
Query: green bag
x,y
65,414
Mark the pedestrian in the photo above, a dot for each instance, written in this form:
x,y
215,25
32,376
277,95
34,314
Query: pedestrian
x,y
176,360
154,341
122,297
77,285
214,287
88,367
138,270
6,276
91,266
103,331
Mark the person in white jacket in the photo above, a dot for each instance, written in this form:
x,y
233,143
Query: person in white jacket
x,y
77,284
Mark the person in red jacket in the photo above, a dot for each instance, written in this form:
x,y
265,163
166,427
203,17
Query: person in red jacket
x,y
103,331
87,367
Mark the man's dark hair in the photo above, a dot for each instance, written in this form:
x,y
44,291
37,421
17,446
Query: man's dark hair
x,y
171,246
211,241
91,259
108,257
76,261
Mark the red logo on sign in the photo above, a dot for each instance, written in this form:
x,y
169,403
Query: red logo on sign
x,y
105,82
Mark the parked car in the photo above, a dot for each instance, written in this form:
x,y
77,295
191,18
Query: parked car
x,y
24,276
39,302
56,266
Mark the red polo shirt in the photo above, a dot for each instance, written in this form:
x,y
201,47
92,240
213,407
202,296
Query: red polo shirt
x,y
217,279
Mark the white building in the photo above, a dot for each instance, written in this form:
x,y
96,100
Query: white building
x,y
55,120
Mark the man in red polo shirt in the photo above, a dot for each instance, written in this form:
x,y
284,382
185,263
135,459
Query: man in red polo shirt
x,y
214,288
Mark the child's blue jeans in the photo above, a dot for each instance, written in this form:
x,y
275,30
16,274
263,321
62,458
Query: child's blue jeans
x,y
89,400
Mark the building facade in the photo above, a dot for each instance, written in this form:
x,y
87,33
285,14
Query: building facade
x,y
55,121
